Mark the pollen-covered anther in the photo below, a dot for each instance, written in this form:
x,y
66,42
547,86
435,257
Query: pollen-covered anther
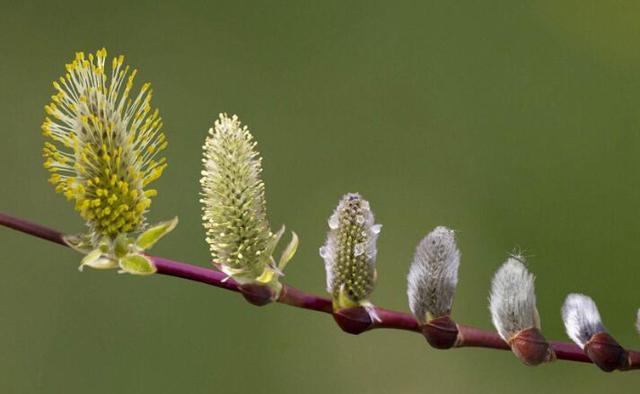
x,y
584,326
514,314
349,254
104,144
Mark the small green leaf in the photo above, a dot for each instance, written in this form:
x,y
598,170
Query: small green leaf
x,y
121,246
278,235
268,276
148,238
343,300
95,259
78,242
105,244
288,252
137,264
275,238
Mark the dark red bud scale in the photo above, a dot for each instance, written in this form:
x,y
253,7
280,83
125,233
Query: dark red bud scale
x,y
353,320
606,352
531,347
441,332
256,294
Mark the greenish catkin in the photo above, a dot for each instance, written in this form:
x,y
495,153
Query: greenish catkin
x,y
233,198
350,250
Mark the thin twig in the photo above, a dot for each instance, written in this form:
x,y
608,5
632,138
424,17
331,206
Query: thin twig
x,y
467,337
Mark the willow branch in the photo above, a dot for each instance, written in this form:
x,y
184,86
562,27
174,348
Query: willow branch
x,y
354,321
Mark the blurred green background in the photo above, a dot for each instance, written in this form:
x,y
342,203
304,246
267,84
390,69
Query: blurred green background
x,y
514,122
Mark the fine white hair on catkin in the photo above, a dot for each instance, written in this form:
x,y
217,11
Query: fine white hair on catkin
x,y
581,318
433,276
638,321
513,300
350,251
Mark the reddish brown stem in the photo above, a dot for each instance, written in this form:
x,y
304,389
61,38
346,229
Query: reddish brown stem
x,y
475,337
35,229
354,320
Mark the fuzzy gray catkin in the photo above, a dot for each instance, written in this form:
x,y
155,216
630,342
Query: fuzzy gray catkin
x,y
433,275
513,300
581,318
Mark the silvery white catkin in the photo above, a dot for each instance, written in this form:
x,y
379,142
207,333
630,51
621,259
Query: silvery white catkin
x,y
638,321
433,276
513,300
581,318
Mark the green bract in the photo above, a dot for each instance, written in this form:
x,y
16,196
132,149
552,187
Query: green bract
x,y
123,252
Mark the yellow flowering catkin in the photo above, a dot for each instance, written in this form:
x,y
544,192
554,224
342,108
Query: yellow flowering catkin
x,y
104,144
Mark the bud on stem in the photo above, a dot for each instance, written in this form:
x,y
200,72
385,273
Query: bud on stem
x,y
441,332
257,294
354,320
606,352
531,347
431,286
349,255
584,326
514,313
